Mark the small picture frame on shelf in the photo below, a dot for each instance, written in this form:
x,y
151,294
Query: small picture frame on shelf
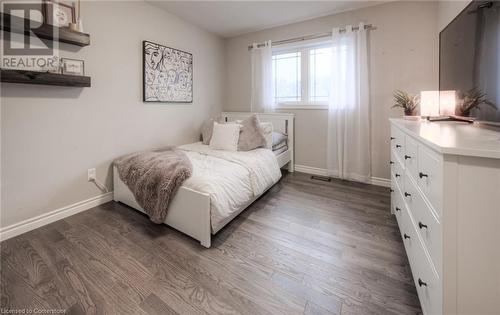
x,y
72,66
59,14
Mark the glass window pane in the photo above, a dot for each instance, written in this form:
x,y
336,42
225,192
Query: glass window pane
x,y
319,71
286,68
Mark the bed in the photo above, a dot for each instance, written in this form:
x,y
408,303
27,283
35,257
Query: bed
x,y
201,214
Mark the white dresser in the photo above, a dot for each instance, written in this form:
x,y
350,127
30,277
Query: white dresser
x,y
445,183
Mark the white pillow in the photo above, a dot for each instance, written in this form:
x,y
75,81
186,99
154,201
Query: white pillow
x,y
267,129
225,137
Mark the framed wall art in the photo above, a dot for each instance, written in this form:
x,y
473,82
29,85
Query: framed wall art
x,y
167,74
58,13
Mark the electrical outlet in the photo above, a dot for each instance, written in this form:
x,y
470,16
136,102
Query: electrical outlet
x,y
91,174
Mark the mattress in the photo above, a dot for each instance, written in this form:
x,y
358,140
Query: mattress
x,y
232,179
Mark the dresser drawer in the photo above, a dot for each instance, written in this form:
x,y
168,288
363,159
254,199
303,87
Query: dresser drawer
x,y
397,136
427,282
408,233
430,177
411,156
393,191
397,204
398,142
426,223
397,169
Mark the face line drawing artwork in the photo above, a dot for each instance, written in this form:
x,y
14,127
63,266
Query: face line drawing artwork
x,y
167,74
154,55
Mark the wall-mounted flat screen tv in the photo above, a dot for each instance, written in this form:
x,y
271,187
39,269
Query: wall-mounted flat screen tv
x,y
469,60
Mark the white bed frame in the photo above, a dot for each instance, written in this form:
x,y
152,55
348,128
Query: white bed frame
x,y
189,210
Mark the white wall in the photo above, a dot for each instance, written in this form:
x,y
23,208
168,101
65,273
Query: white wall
x,y
448,10
52,135
403,55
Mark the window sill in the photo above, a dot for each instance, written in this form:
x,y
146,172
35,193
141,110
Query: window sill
x,y
302,106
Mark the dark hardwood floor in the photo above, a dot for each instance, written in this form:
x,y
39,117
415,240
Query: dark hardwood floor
x,y
305,247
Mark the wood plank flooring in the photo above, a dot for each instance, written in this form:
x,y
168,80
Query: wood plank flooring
x,y
305,247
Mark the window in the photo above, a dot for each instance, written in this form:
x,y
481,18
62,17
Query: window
x,y
286,69
319,74
292,87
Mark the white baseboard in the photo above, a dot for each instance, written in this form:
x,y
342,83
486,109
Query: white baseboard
x,y
324,172
311,170
58,214
385,182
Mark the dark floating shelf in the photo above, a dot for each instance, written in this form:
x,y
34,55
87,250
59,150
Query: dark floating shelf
x,y
16,24
43,78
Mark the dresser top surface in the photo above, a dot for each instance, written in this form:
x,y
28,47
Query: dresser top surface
x,y
454,137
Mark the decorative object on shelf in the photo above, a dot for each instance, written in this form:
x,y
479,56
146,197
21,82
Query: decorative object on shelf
x,y
471,99
407,102
73,27
78,26
59,14
167,74
72,66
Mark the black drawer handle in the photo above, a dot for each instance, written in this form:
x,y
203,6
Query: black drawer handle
x,y
392,190
392,138
407,194
398,209
398,146
407,157
421,225
406,236
397,175
421,283
422,175
391,162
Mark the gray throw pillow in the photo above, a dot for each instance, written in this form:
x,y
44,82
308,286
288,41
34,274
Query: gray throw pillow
x,y
251,135
278,138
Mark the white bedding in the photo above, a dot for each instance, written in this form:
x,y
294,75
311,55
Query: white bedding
x,y
231,179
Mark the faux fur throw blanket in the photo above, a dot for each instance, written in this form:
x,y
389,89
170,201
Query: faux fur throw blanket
x,y
154,177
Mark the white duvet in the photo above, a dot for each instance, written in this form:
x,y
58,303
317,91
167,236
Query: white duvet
x,y
232,179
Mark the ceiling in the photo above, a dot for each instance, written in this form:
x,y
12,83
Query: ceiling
x,y
232,18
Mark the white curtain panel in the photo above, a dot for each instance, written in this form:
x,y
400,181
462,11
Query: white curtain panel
x,y
348,141
262,78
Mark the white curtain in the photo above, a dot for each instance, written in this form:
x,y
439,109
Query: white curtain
x,y
262,78
348,143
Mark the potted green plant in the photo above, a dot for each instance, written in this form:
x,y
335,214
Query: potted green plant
x,y
471,99
407,102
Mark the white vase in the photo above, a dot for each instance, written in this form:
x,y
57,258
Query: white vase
x,y
80,25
